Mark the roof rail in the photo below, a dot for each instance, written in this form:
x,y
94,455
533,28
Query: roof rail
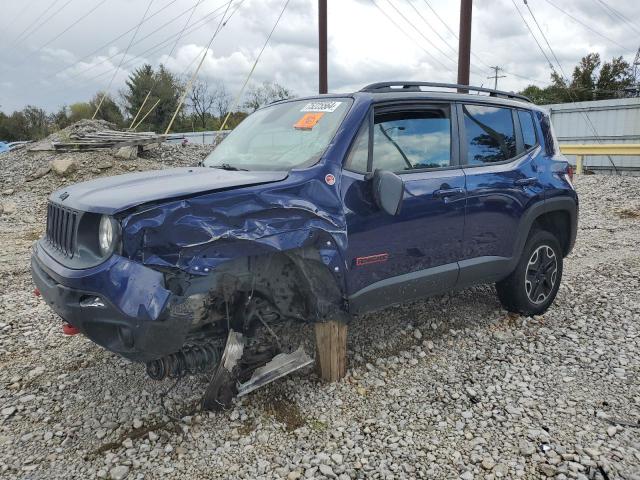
x,y
382,87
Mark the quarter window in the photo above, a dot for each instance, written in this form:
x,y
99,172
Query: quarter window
x,y
528,129
357,160
490,134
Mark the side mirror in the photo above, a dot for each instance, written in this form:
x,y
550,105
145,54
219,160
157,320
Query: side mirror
x,y
388,190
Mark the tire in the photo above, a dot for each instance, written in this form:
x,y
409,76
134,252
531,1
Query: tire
x,y
532,286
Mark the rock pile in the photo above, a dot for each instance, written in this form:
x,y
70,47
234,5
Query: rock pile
x,y
36,172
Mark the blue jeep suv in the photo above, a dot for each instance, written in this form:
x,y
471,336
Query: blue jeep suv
x,y
313,209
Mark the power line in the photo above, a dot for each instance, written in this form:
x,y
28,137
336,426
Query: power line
x,y
28,27
592,30
159,46
133,122
195,73
110,42
46,20
106,59
70,26
453,49
620,16
237,99
445,55
533,35
410,38
153,49
495,77
121,60
486,65
12,21
565,80
544,37
455,35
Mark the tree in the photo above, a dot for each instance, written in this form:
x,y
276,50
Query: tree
x,y
60,119
202,102
614,76
37,122
261,95
80,110
109,109
222,101
591,80
21,126
165,92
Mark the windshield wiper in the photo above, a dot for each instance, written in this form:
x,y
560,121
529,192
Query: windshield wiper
x,y
226,166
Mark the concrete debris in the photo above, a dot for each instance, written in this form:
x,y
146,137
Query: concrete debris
x,y
64,166
127,153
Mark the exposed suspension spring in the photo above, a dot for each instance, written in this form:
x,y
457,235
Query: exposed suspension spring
x,y
188,361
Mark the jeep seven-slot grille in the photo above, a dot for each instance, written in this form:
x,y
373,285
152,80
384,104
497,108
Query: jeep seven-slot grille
x,y
61,229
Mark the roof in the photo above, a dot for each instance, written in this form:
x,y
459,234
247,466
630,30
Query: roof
x,y
449,97
408,90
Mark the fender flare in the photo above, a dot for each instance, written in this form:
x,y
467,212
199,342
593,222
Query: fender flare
x,y
557,204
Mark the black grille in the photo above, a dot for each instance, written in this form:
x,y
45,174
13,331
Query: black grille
x,y
61,229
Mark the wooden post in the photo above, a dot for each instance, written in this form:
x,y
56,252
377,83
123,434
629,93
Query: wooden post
x,y
579,160
331,350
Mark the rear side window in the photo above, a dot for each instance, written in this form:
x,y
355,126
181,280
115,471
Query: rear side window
x,y
405,141
490,134
528,129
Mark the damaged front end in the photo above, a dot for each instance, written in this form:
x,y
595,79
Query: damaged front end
x,y
207,257
247,260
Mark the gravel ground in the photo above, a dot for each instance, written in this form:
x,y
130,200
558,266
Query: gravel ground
x,y
451,387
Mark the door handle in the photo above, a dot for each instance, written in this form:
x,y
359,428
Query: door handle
x,y
448,192
523,182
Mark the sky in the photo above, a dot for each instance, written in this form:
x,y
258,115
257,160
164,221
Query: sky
x,y
57,52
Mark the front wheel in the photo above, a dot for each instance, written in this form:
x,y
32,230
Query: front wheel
x,y
533,285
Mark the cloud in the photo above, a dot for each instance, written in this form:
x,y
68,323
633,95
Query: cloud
x,y
364,46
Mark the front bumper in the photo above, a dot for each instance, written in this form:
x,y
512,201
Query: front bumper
x,y
136,320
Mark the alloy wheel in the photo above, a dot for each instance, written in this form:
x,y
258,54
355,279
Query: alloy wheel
x,y
541,274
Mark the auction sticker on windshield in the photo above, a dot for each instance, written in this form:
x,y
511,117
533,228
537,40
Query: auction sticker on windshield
x,y
308,121
321,106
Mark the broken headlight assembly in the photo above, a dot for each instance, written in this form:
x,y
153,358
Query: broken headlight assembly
x,y
108,235
98,237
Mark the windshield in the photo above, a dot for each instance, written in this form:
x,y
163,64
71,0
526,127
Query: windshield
x,y
281,136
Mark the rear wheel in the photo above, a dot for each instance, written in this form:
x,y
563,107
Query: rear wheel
x,y
533,285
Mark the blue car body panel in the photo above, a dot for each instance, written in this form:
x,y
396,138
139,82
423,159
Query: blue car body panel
x,y
194,220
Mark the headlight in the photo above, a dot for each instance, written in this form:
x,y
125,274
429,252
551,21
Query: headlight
x,y
106,235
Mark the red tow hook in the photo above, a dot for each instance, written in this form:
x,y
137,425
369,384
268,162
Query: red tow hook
x,y
36,292
69,329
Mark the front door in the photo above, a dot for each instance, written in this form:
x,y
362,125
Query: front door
x,y
415,253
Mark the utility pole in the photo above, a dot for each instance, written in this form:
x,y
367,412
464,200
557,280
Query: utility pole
x,y
322,46
464,45
496,76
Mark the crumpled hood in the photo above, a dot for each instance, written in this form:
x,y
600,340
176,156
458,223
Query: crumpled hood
x,y
110,195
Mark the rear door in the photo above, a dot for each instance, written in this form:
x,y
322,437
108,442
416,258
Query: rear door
x,y
498,146
413,254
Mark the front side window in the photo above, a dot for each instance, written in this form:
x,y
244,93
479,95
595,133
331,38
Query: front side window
x,y
490,135
528,129
281,136
405,141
